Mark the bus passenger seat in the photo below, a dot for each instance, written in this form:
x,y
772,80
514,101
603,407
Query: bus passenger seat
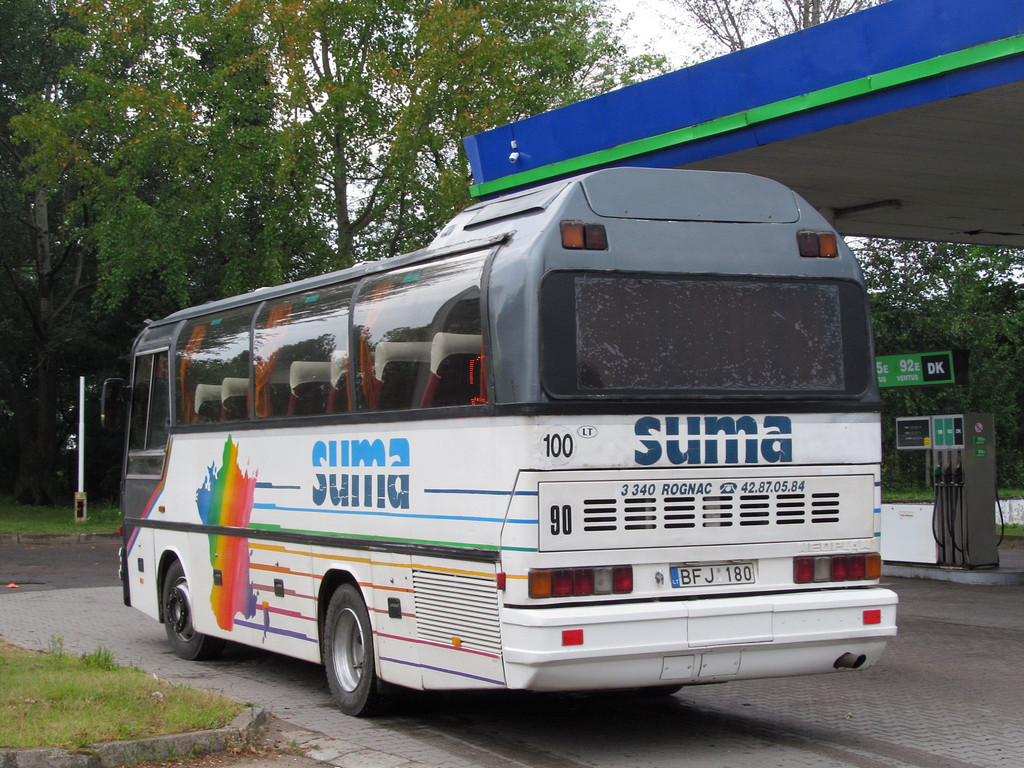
x,y
207,402
234,399
310,383
395,368
337,398
451,357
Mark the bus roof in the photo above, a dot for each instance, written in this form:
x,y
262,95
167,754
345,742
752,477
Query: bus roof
x,y
624,193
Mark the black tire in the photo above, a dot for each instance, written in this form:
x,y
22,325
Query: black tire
x,y
177,607
349,658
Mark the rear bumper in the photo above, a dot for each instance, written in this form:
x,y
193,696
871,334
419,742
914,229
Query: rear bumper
x,y
694,641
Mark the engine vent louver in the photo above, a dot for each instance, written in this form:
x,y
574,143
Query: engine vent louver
x,y
458,606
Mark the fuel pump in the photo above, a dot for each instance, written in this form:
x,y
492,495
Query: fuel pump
x,y
964,475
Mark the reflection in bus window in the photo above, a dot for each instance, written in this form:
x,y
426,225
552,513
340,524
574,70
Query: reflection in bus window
x,y
213,368
419,337
300,354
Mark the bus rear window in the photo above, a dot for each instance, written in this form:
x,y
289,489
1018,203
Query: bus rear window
x,y
652,335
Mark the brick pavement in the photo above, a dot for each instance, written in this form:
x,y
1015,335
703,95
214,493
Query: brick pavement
x,y
946,695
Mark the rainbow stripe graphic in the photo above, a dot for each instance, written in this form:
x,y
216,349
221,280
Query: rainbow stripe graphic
x,y
225,499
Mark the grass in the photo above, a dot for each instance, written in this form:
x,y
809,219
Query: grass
x,y
57,700
22,518
905,495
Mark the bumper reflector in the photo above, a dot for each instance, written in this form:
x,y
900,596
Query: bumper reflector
x,y
572,637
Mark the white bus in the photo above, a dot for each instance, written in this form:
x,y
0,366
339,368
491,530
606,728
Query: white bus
x,y
619,431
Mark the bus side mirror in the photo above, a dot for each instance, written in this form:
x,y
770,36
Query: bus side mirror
x,y
113,403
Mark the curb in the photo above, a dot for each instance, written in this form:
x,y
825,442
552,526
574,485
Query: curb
x,y
56,538
243,731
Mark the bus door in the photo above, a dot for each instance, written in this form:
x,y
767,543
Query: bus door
x,y
148,424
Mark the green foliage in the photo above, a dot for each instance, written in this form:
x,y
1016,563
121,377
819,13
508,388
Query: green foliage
x,y
168,126
379,95
225,144
161,153
932,297
45,271
101,659
56,649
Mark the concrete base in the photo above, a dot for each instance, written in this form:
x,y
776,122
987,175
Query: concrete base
x,y
1010,571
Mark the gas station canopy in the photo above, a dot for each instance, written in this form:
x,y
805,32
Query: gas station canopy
x,y
905,120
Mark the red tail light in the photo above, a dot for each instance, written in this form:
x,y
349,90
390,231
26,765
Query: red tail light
x,y
803,570
841,568
561,583
583,581
856,568
622,580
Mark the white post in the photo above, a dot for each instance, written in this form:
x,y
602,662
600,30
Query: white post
x,y
80,503
81,434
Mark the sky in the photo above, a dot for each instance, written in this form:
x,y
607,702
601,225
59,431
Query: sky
x,y
653,28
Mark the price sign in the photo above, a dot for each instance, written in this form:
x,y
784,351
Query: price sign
x,y
916,369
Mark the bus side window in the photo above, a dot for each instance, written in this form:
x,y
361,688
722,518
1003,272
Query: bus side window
x,y
418,333
300,351
213,368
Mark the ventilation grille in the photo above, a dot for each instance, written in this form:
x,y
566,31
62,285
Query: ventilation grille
x,y
450,606
699,511
638,513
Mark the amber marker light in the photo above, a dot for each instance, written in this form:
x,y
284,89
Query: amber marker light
x,y
579,235
817,245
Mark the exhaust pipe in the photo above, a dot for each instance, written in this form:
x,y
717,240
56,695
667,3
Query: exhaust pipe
x,y
850,661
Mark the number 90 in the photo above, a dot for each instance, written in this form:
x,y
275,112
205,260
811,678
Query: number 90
x,y
561,520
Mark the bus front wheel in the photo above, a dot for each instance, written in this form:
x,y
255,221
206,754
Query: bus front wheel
x,y
177,605
348,655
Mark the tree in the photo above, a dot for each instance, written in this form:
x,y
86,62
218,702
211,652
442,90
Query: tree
x,y
44,264
259,140
173,140
732,25
159,153
379,94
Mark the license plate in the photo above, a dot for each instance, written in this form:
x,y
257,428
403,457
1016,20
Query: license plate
x,y
713,574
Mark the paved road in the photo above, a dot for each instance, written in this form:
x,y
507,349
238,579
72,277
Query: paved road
x,y
55,564
948,694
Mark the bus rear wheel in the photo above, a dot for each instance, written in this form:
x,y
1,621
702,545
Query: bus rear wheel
x,y
181,633
348,655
